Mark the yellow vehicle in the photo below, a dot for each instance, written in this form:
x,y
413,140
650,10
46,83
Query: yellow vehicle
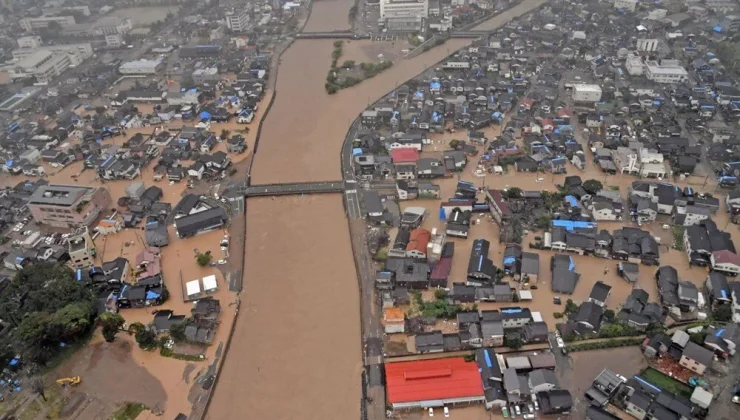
x,y
69,381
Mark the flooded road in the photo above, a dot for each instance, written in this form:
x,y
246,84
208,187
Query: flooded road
x,y
303,133
296,352
329,16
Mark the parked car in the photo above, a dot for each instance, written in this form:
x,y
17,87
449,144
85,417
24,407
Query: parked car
x,y
447,412
431,412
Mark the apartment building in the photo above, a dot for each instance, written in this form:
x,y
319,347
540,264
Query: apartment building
x,y
625,4
111,25
114,40
68,206
81,249
237,21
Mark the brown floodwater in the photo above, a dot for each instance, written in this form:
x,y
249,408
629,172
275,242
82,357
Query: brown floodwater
x,y
329,16
296,351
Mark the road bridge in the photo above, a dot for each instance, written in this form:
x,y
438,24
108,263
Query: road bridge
x,y
267,190
468,34
330,35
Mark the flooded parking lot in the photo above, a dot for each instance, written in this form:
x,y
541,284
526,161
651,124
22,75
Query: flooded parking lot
x,y
296,351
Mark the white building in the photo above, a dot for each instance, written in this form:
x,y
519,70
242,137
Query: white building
x,y
625,4
83,49
237,21
44,65
634,65
667,71
649,45
29,42
205,75
403,14
32,24
114,40
111,25
141,67
586,93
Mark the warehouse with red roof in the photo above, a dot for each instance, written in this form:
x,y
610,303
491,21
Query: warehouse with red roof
x,y
433,383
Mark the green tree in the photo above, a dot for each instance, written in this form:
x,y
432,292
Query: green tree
x,y
455,144
570,307
111,323
440,294
146,338
71,320
723,313
513,342
203,259
348,64
136,328
225,133
514,192
592,186
338,44
177,332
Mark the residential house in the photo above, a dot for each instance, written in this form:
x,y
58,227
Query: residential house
x,y
604,387
588,317
599,293
726,262
535,332
718,289
564,277
417,246
431,342
555,401
492,333
696,358
394,320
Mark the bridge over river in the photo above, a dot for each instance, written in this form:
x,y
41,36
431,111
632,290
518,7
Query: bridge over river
x,y
266,190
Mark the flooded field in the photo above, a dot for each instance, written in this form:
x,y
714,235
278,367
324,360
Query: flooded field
x,y
144,16
296,352
329,16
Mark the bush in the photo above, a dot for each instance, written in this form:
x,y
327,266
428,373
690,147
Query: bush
x,y
177,332
723,313
570,307
678,232
203,259
232,171
513,342
557,315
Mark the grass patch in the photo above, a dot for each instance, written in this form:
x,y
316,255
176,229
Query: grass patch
x,y
665,382
128,411
32,410
163,351
678,232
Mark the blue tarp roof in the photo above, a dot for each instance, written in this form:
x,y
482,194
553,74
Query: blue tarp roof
x,y
152,295
571,224
509,260
356,151
571,200
205,115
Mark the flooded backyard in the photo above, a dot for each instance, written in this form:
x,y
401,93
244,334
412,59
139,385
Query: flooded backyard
x,y
329,16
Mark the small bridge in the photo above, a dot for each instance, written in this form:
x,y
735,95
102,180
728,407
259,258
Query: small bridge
x,y
329,35
267,190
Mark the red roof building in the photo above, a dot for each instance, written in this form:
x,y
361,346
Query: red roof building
x,y
404,155
433,383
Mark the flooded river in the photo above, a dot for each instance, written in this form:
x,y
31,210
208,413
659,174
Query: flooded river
x,y
329,16
296,351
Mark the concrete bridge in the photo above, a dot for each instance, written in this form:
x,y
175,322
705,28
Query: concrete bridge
x,y
468,34
329,35
267,190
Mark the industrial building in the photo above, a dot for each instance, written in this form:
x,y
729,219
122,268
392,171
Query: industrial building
x,y
30,24
403,15
665,71
141,67
433,383
586,93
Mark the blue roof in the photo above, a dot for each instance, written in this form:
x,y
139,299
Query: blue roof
x,y
572,265
570,224
356,151
152,295
571,200
511,311
488,358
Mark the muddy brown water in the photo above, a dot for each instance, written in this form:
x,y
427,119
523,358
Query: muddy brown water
x,y
303,133
296,350
329,16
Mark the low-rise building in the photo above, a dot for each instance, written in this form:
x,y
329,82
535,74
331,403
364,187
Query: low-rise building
x,y
68,206
141,67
